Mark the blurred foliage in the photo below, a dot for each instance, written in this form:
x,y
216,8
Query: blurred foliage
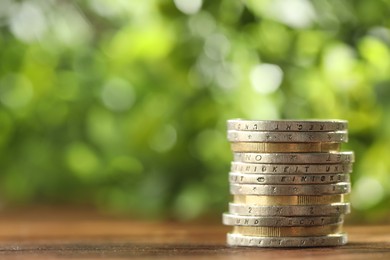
x,y
122,104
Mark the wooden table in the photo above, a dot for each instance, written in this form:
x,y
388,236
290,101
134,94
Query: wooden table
x,y
82,234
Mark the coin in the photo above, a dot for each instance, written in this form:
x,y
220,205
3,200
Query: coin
x,y
290,210
290,168
287,125
314,241
255,189
288,231
238,220
285,147
287,137
295,158
288,200
287,179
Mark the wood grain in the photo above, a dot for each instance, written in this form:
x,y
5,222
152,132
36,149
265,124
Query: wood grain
x,y
83,234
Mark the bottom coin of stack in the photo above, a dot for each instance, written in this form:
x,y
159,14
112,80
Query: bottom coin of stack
x,y
288,189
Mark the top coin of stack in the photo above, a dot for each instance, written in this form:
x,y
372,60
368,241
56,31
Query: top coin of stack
x,y
288,179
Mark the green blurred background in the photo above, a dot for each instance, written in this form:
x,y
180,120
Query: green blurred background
x,y
122,104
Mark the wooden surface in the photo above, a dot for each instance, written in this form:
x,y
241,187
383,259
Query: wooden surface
x,y
59,234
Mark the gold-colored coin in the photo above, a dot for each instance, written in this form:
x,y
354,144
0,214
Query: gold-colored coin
x,y
285,147
288,200
288,231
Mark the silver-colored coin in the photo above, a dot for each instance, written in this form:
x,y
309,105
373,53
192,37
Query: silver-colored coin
x,y
287,137
296,158
289,200
287,125
279,221
317,241
287,210
275,190
235,177
256,147
290,168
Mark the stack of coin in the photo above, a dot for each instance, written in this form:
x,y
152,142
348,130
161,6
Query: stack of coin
x,y
289,181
